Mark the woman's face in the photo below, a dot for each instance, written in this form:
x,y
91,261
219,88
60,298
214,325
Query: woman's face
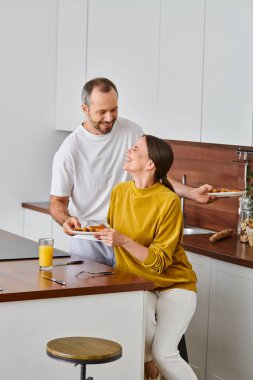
x,y
137,159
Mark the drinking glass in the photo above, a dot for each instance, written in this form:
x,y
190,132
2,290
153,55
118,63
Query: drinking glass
x,y
46,251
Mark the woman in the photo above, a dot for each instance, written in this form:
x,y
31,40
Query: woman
x,y
146,232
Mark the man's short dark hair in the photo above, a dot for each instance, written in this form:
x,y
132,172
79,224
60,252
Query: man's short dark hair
x,y
103,84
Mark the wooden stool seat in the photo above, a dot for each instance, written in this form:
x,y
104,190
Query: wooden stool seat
x,y
84,350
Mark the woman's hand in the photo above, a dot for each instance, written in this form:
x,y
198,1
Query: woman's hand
x,y
111,237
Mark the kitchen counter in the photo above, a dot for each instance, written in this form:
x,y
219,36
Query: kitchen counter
x,y
35,310
15,247
229,249
37,206
22,280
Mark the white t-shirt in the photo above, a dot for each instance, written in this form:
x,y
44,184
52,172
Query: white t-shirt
x,y
88,166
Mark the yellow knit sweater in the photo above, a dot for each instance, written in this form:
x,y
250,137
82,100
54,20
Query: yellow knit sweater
x,y
153,218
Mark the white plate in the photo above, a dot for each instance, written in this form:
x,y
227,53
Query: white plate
x,y
227,194
82,233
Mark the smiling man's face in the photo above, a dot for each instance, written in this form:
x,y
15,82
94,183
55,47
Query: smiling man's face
x,y
102,111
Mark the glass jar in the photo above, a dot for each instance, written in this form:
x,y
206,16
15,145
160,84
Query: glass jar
x,y
245,217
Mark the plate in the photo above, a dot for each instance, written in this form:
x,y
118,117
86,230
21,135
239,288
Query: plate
x,y
227,194
82,233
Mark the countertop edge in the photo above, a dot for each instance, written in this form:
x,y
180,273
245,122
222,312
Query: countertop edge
x,y
37,206
74,292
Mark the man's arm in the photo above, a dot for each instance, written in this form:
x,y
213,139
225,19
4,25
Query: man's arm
x,y
197,194
59,210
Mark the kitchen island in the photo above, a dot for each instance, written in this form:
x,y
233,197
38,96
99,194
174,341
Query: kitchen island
x,y
34,310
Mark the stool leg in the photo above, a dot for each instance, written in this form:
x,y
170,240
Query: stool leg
x,y
83,371
182,349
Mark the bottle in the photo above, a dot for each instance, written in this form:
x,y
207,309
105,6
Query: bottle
x,y
245,217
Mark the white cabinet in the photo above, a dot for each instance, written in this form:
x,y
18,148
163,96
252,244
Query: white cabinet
x,y
230,349
181,69
123,45
27,326
196,336
37,225
71,62
61,240
228,74
220,335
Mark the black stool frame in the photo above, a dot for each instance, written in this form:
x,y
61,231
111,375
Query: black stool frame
x,y
84,362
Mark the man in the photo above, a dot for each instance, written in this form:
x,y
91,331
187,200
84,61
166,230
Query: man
x,y
89,164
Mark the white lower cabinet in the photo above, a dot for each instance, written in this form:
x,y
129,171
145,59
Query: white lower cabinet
x,y
220,335
37,225
61,240
230,336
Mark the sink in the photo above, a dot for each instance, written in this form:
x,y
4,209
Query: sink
x,y
196,230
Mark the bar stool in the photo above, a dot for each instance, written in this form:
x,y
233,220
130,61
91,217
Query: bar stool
x,y
84,350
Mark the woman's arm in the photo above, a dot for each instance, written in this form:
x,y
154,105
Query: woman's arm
x,y
113,238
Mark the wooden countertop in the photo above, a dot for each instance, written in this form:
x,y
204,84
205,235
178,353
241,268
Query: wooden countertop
x,y
22,280
229,249
37,206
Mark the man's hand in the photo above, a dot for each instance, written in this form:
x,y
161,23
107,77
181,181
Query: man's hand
x,y
69,224
199,194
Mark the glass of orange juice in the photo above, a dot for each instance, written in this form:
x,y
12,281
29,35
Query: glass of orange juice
x,y
46,251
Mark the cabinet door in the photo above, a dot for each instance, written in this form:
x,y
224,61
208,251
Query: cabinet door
x,y
36,225
61,240
228,74
71,62
196,335
181,69
230,349
123,45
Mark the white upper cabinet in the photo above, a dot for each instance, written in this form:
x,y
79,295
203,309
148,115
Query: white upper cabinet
x,y
123,45
71,62
228,72
181,69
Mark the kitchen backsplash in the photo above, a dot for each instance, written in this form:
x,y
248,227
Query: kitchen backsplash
x,y
216,165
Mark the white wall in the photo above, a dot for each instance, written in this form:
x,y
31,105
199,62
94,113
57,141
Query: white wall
x,y
28,139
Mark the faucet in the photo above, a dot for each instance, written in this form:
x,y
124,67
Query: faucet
x,y
182,199
243,158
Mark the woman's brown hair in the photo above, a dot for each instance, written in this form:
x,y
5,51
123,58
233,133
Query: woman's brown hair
x,y
161,153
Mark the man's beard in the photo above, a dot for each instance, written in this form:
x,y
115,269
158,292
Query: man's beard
x,y
97,126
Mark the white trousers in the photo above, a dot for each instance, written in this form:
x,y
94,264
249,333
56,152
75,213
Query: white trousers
x,y
168,314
